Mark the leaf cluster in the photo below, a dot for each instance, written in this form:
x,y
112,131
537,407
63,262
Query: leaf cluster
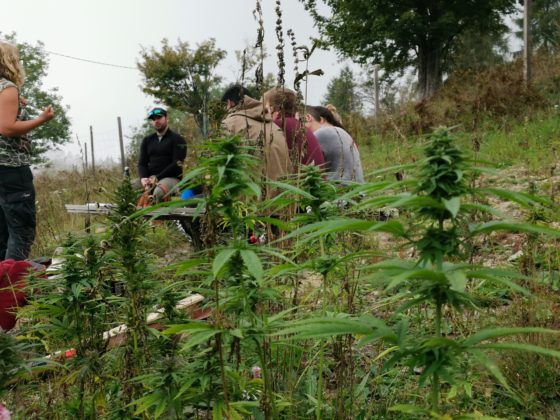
x,y
11,358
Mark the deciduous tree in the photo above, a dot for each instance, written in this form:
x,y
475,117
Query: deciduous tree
x,y
475,50
396,34
182,77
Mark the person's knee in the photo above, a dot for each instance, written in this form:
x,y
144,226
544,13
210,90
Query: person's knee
x,y
158,195
164,189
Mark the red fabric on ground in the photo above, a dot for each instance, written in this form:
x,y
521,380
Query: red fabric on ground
x,y
13,275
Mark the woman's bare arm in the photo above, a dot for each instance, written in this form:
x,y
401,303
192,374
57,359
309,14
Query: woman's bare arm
x,y
9,105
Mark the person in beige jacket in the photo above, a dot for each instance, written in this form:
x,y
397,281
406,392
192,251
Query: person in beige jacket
x,y
247,117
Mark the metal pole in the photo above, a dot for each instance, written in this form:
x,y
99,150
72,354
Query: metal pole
x,y
121,142
92,150
376,83
527,43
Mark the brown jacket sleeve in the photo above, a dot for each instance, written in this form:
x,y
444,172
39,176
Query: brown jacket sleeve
x,y
274,142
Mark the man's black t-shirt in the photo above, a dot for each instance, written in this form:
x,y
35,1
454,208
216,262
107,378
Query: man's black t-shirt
x,y
162,158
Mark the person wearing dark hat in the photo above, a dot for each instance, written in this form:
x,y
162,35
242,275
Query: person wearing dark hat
x,y
162,153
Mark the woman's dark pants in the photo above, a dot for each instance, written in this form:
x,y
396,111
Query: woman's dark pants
x,y
17,212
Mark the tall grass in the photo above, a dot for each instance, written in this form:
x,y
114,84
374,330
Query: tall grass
x,y
533,144
54,189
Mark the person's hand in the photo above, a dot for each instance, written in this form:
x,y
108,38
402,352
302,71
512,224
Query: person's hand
x,y
47,114
22,101
145,182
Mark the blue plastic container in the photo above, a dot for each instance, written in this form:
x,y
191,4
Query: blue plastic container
x,y
185,195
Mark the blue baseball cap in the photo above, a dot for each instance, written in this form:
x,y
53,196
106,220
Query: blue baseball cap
x,y
156,112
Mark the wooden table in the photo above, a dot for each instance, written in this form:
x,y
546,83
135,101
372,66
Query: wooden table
x,y
184,216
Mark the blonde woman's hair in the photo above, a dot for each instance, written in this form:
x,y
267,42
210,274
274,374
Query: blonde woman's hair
x,y
10,67
335,113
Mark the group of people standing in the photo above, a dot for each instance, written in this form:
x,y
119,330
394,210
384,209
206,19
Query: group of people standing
x,y
288,139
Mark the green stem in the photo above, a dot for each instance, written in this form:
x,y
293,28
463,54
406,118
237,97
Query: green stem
x,y
322,350
434,394
218,323
438,318
435,377
318,415
270,406
222,369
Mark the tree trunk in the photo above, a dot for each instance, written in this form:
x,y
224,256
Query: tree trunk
x,y
429,69
527,43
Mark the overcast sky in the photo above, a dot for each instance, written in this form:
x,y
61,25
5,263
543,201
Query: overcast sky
x,y
113,31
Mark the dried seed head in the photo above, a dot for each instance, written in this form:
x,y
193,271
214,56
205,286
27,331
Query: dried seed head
x,y
280,45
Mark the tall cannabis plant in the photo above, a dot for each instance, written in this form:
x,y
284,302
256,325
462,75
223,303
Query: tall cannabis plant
x,y
232,274
131,264
436,279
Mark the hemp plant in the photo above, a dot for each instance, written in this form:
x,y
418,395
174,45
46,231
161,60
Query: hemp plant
x,y
440,204
232,276
327,258
132,270
436,279
68,314
11,359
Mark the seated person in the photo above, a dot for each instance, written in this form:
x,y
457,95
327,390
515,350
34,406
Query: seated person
x,y
246,116
162,153
342,156
281,103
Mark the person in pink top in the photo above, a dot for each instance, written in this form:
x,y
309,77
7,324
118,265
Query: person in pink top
x,y
281,103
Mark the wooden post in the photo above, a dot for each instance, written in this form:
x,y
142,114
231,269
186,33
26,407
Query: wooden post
x,y
527,43
88,219
121,142
92,150
85,156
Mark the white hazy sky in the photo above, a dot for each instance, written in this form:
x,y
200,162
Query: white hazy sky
x,y
113,31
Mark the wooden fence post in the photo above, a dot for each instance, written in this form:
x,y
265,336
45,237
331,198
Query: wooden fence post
x,y
85,156
121,142
92,150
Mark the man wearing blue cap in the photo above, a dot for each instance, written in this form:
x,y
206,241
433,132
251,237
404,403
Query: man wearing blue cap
x,y
162,153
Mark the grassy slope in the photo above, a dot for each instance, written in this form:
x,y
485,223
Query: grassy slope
x,y
525,148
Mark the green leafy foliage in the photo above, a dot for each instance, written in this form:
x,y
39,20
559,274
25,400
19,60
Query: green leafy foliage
x,y
182,77
545,32
320,318
342,92
11,358
398,34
